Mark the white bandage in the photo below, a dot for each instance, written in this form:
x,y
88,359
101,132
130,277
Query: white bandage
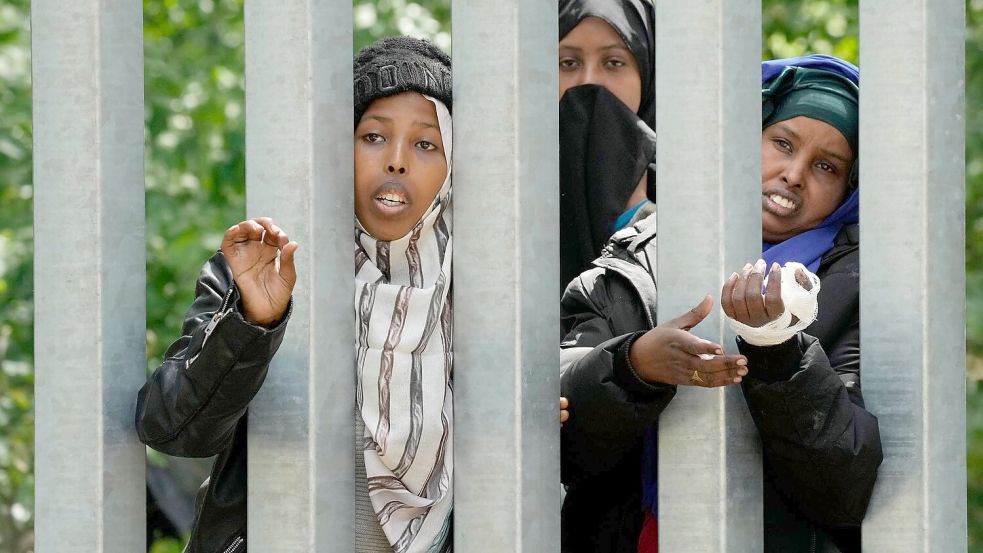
x,y
798,301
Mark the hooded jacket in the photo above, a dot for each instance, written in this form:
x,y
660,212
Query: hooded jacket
x,y
820,447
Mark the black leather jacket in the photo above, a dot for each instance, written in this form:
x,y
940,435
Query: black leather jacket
x,y
195,403
821,448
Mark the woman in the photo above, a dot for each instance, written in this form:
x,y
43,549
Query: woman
x,y
607,113
195,403
821,448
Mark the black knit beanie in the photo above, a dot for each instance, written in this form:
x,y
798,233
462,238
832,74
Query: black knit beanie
x,y
398,64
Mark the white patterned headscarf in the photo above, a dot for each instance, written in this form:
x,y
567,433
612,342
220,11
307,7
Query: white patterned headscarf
x,y
404,360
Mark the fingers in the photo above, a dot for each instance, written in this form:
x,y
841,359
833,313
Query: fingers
x,y
726,295
742,298
260,228
564,413
242,232
272,235
692,356
694,345
288,271
774,306
692,317
753,300
715,371
738,295
802,279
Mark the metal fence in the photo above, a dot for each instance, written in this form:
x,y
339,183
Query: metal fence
x,y
90,276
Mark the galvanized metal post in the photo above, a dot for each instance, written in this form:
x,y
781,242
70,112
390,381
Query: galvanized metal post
x,y
709,183
299,171
506,258
912,174
89,274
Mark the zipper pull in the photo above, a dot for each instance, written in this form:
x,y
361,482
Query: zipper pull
x,y
219,315
215,320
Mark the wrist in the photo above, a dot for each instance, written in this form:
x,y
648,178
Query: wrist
x,y
266,320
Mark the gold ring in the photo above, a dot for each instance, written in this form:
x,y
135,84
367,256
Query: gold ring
x,y
695,378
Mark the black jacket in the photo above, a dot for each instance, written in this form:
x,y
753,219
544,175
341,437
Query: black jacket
x,y
821,448
195,403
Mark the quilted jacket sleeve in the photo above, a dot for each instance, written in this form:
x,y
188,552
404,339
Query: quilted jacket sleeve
x,y
821,445
189,407
610,406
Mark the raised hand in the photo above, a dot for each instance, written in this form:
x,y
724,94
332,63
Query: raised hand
x,y
261,256
670,354
742,300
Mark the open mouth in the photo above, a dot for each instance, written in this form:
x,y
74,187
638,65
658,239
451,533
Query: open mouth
x,y
391,199
779,204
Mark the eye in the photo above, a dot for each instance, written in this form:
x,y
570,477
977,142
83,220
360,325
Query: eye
x,y
782,144
568,64
616,62
426,145
373,138
827,167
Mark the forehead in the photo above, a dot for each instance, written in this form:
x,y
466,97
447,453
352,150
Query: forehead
x,y
402,108
593,32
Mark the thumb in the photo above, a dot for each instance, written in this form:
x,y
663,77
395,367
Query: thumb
x,y
288,271
692,317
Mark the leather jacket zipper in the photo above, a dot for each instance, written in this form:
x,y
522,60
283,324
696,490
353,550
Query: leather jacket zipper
x,y
217,318
234,546
812,547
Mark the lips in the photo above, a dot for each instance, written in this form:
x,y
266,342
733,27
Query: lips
x,y
391,199
780,203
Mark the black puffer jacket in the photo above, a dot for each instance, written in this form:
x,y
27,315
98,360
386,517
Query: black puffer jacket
x,y
195,403
821,448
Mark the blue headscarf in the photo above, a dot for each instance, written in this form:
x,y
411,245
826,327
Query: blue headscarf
x,y
807,248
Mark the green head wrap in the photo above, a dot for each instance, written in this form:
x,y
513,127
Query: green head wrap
x,y
814,93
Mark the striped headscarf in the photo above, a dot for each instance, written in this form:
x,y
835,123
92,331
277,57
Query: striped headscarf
x,y
404,368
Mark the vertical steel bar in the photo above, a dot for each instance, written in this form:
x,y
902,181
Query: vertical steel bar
x,y
506,368
89,274
912,174
299,171
709,164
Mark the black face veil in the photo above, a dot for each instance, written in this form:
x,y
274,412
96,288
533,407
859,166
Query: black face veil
x,y
605,148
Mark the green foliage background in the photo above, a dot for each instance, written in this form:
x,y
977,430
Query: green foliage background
x,y
195,185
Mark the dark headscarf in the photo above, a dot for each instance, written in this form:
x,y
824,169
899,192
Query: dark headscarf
x,y
605,148
814,93
634,20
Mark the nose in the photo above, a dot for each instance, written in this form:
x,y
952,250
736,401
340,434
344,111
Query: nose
x,y
794,173
397,161
591,75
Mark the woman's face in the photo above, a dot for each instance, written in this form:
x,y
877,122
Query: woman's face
x,y
399,164
805,168
594,53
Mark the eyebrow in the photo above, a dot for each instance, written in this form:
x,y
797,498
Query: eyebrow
x,y
830,153
613,46
384,119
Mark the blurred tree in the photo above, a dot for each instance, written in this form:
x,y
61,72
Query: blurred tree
x,y
16,286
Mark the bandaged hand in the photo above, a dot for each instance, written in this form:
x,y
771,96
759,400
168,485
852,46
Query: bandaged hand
x,y
786,305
